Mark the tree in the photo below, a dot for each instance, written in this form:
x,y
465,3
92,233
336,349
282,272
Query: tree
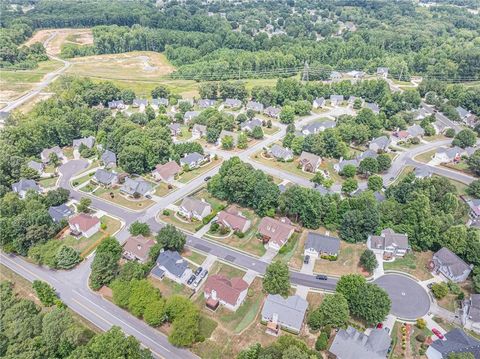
x,y
297,145
53,159
84,204
139,228
439,290
150,113
368,166
348,171
242,141
277,279
473,162
466,355
127,95
375,183
368,261
105,264
185,329
349,185
171,238
154,313
473,189
67,257
318,178
384,162
257,133
332,311
287,115
160,92
450,133
227,142
57,197
45,293
322,342
465,138
294,352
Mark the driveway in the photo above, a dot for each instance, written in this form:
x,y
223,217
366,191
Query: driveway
x,y
409,300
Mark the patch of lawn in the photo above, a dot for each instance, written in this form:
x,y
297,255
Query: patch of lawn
x,y
346,263
207,326
78,181
227,270
190,175
168,287
48,182
270,131
162,189
194,256
291,166
217,204
414,263
289,249
171,219
113,195
426,156
185,134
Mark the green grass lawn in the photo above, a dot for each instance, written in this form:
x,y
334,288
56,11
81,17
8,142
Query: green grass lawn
x,y
78,181
226,270
190,175
168,287
120,199
414,263
217,205
289,249
162,189
171,219
207,326
185,134
48,182
291,166
194,256
270,131
426,156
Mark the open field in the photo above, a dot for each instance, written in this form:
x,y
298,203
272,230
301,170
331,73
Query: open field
x,y
413,263
75,36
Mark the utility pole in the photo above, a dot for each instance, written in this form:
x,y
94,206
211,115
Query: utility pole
x,y
306,68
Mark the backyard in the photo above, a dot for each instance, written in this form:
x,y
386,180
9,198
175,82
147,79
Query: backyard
x,y
413,263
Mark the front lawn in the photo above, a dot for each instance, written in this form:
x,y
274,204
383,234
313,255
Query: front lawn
x,y
346,263
226,270
413,263
113,195
270,131
185,133
78,181
291,166
426,156
48,182
194,256
187,176
162,189
290,249
217,204
184,223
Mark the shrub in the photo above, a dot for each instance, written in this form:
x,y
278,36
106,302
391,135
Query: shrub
x,y
439,290
327,329
166,212
454,288
322,342
208,218
421,323
239,234
450,133
421,337
45,293
214,227
224,230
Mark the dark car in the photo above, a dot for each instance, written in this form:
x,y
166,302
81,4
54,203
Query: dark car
x,y
306,259
198,271
207,178
204,274
191,279
321,277
148,196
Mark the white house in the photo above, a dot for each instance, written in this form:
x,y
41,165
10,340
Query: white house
x,y
193,208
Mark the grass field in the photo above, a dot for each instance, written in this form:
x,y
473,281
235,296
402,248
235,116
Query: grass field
x,y
172,219
48,182
414,263
347,261
426,156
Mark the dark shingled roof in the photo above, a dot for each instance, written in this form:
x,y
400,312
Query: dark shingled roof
x,y
457,341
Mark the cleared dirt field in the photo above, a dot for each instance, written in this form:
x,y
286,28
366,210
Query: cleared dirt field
x,y
76,36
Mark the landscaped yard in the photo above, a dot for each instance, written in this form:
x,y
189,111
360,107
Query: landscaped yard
x,y
113,195
291,166
162,189
270,131
293,248
81,180
217,204
189,175
184,223
185,134
426,156
347,261
414,263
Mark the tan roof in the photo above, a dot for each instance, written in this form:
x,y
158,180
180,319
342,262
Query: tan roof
x,y
307,157
227,290
139,246
83,221
277,231
168,169
232,220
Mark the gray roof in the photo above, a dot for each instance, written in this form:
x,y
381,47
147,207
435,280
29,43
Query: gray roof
x,y
323,190
190,158
367,154
282,188
462,112
204,103
37,166
108,157
133,186
174,127
343,163
422,171
322,243
474,308
336,98
319,101
251,124
189,115
47,151
290,311
335,74
199,128
379,196
140,102
382,142
372,106
272,111
172,262
382,70
25,185
449,259
352,344
457,341
451,152
59,212
87,141
415,130
194,205
115,104
389,238
104,177
278,151
160,101
255,106
314,127
232,102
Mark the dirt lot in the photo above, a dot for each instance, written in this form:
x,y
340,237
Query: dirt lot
x,y
76,36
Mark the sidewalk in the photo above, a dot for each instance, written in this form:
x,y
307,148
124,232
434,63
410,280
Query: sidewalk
x,y
269,255
250,276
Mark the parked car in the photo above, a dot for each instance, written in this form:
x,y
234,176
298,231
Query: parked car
x,y
191,279
207,178
204,273
198,271
429,285
148,196
437,333
379,325
306,259
321,277
197,282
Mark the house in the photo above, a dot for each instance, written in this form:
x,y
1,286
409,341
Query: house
x,y
254,106
193,160
59,212
380,144
317,245
275,232
352,27
232,103
88,142
166,172
421,113
335,76
234,221
170,264
351,344
137,248
190,115
36,166
24,185
199,130
382,72
338,167
450,265
470,313
105,178
206,103
228,292
140,102
356,74
83,224
136,187
316,127
322,190
157,102
309,161
193,208
455,341
474,205
415,131
389,243
367,154
282,188
116,105
45,154
273,112
466,116
336,99
175,129
287,313
225,133
281,153
373,106
251,124
318,102
109,159
439,125
423,172
352,99
448,155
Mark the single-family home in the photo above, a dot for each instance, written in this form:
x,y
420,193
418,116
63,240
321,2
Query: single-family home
x,y
105,178
372,106
228,292
389,243
109,159
367,154
83,224
380,144
455,341
170,264
36,166
232,103
280,153
474,205
309,162
335,76
382,72
352,27
423,172
251,124
59,212
24,185
466,116
193,160
137,248
421,113
226,133
166,172
336,99
415,131
190,115
316,127
193,208
351,344
175,129
254,106
234,221
287,313
136,187
318,245
352,99
275,232
206,103
140,102
338,167
322,189
448,155
116,105
157,102
273,112
199,131
356,74
447,263
45,154
319,102
470,312
88,142
439,125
